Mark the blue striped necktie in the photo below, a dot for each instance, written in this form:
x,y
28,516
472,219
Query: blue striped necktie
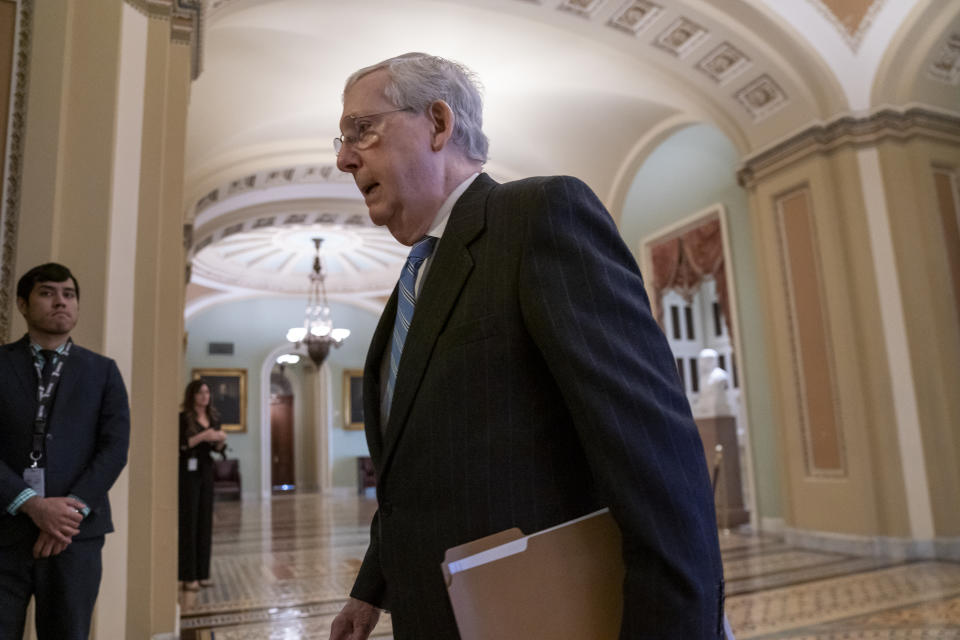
x,y
406,300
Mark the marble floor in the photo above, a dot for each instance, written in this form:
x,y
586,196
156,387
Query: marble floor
x,y
282,570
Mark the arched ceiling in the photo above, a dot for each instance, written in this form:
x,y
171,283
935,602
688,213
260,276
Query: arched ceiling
x,y
582,87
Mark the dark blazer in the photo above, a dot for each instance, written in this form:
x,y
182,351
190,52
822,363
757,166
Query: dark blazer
x,y
203,449
87,435
535,387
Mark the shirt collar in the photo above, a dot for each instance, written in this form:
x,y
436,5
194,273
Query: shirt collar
x,y
36,348
440,221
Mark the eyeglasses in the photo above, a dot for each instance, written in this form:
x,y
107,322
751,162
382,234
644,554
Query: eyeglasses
x,y
360,133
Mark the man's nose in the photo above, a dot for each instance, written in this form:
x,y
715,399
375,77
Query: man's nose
x,y
347,160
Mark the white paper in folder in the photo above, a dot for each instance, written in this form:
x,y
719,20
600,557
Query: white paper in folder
x,y
510,548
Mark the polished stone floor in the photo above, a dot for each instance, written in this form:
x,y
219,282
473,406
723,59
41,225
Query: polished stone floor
x,y
282,570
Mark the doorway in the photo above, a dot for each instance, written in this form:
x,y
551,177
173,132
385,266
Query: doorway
x,y
693,297
282,471
311,422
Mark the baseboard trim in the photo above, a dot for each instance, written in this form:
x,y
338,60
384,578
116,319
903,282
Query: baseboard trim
x,y
878,546
772,525
947,548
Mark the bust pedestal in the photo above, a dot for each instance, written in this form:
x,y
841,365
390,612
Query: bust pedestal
x,y
728,492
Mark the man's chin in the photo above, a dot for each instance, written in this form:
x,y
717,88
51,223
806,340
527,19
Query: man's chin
x,y
61,328
378,216
394,221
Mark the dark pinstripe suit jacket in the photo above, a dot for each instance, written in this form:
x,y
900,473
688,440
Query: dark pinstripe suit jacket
x,y
536,387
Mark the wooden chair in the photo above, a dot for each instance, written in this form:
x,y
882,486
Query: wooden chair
x,y
366,476
226,479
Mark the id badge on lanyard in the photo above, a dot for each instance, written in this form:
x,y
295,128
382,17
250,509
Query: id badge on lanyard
x,y
34,477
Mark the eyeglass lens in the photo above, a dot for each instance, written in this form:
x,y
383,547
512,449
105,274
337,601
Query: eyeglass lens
x,y
360,131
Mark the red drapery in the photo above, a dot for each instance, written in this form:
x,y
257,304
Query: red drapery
x,y
683,262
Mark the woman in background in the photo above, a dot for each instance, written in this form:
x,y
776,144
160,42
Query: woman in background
x,y
200,435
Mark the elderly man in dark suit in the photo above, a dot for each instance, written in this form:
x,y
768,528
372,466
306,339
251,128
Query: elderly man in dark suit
x,y
64,433
516,377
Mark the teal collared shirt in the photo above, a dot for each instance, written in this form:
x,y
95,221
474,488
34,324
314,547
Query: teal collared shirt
x,y
38,355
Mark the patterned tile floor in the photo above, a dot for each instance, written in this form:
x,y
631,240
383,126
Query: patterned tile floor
x,y
282,570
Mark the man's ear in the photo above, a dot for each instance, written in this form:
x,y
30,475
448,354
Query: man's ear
x,y
442,118
22,305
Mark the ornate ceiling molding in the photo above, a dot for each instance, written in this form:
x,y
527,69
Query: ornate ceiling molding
x,y
581,7
217,270
684,36
278,215
762,97
13,164
269,178
214,6
945,66
271,251
256,235
852,28
854,131
681,37
635,17
186,24
724,63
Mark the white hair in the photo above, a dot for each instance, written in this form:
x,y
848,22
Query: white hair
x,y
417,80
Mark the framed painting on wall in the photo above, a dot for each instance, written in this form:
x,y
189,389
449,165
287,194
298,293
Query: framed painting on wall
x,y
228,389
352,399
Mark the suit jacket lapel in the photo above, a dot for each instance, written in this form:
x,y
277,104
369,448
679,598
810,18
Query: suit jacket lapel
x,y
451,265
68,380
371,377
22,361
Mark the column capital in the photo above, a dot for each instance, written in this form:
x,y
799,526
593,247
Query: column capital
x,y
186,24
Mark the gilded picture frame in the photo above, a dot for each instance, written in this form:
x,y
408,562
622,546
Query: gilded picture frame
x,y
353,399
228,389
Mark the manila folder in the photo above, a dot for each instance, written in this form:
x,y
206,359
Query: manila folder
x,y
562,582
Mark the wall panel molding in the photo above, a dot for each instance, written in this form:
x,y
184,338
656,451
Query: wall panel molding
x,y
947,185
819,416
850,131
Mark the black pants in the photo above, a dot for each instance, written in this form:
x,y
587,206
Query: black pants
x,y
65,587
196,521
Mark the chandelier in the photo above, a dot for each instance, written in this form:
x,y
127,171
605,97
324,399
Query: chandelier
x,y
317,333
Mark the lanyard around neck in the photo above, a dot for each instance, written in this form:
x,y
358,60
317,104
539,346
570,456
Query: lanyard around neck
x,y
45,391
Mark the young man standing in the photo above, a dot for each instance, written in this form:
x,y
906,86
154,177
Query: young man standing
x,y
64,434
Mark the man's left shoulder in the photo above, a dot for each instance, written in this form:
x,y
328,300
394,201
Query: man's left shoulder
x,y
541,183
89,358
7,349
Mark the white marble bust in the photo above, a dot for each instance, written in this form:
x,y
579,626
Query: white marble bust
x,y
714,383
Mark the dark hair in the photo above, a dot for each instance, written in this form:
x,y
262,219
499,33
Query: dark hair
x,y
188,399
49,272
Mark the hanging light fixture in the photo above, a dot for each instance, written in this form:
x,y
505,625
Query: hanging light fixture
x,y
317,332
